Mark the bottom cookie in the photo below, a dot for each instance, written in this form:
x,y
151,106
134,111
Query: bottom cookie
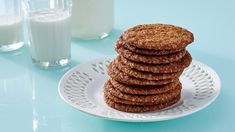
x,y
139,108
156,98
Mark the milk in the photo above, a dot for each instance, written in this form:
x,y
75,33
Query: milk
x,y
11,30
49,32
92,18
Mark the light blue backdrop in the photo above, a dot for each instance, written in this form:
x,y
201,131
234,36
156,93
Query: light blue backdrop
x,y
28,96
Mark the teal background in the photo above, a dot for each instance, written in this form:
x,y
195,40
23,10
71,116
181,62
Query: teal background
x,y
29,100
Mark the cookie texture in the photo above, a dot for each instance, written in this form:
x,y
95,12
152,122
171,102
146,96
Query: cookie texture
x,y
156,59
162,68
139,108
120,76
123,101
156,98
158,37
145,75
144,90
137,50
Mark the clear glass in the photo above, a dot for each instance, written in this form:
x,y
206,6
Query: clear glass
x,y
11,25
49,31
92,19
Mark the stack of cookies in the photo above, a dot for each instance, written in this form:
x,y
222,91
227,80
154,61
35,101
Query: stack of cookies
x,y
145,75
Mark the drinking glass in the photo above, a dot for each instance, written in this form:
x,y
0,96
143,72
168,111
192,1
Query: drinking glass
x,y
48,23
11,25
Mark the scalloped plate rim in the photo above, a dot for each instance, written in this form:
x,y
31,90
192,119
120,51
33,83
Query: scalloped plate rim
x,y
186,113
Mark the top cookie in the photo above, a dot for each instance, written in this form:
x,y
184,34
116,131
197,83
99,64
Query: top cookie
x,y
158,37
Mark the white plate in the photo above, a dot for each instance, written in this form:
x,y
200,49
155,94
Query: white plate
x,y
82,88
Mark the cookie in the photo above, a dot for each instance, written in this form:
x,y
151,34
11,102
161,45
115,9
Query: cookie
x,y
156,98
143,90
139,108
153,59
145,75
120,76
145,51
158,37
123,101
160,68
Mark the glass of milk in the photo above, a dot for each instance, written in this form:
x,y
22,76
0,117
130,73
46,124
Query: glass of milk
x,y
11,25
92,19
49,31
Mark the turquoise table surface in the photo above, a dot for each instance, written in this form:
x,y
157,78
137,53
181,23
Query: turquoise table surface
x,y
29,101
